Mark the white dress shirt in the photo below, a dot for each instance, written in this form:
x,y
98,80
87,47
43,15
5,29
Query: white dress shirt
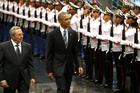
x,y
62,32
15,47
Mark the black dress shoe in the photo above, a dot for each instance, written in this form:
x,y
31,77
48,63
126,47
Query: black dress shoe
x,y
96,81
42,57
107,86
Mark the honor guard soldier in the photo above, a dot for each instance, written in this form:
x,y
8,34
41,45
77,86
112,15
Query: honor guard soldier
x,y
31,24
94,30
83,27
107,69
75,19
74,16
38,24
129,53
25,22
116,49
43,31
136,46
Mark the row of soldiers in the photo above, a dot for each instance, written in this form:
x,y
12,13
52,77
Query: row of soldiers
x,y
109,37
104,36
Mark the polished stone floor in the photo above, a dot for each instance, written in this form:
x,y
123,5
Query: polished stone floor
x,y
78,85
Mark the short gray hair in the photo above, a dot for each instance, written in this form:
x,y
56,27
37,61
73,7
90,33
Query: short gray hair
x,y
13,29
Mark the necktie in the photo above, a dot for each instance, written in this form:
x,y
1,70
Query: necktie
x,y
65,38
17,51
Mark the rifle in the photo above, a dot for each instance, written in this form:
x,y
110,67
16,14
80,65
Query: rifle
x,y
121,57
88,29
111,34
100,33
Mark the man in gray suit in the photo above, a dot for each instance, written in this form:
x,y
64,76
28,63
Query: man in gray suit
x,y
16,63
63,54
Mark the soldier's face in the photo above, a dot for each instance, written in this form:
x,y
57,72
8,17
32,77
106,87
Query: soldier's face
x,y
117,20
129,21
106,17
86,10
95,14
18,36
136,11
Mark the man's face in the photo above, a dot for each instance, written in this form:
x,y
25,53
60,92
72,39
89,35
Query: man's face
x,y
18,36
65,21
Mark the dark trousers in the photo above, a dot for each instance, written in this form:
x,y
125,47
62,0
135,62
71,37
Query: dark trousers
x,y
128,81
107,68
137,76
21,87
89,60
99,66
118,67
63,83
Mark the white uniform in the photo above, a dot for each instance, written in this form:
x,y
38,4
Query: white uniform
x,y
15,8
94,26
5,6
1,8
106,27
10,10
74,22
117,36
44,11
38,11
32,13
51,16
129,34
20,21
85,25
26,15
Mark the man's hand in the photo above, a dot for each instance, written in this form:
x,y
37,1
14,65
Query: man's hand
x,y
81,71
4,84
32,82
50,76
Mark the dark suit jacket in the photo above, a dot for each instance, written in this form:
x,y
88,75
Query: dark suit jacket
x,y
11,68
60,59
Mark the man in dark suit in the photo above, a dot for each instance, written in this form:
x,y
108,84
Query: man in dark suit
x,y
16,67
62,54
